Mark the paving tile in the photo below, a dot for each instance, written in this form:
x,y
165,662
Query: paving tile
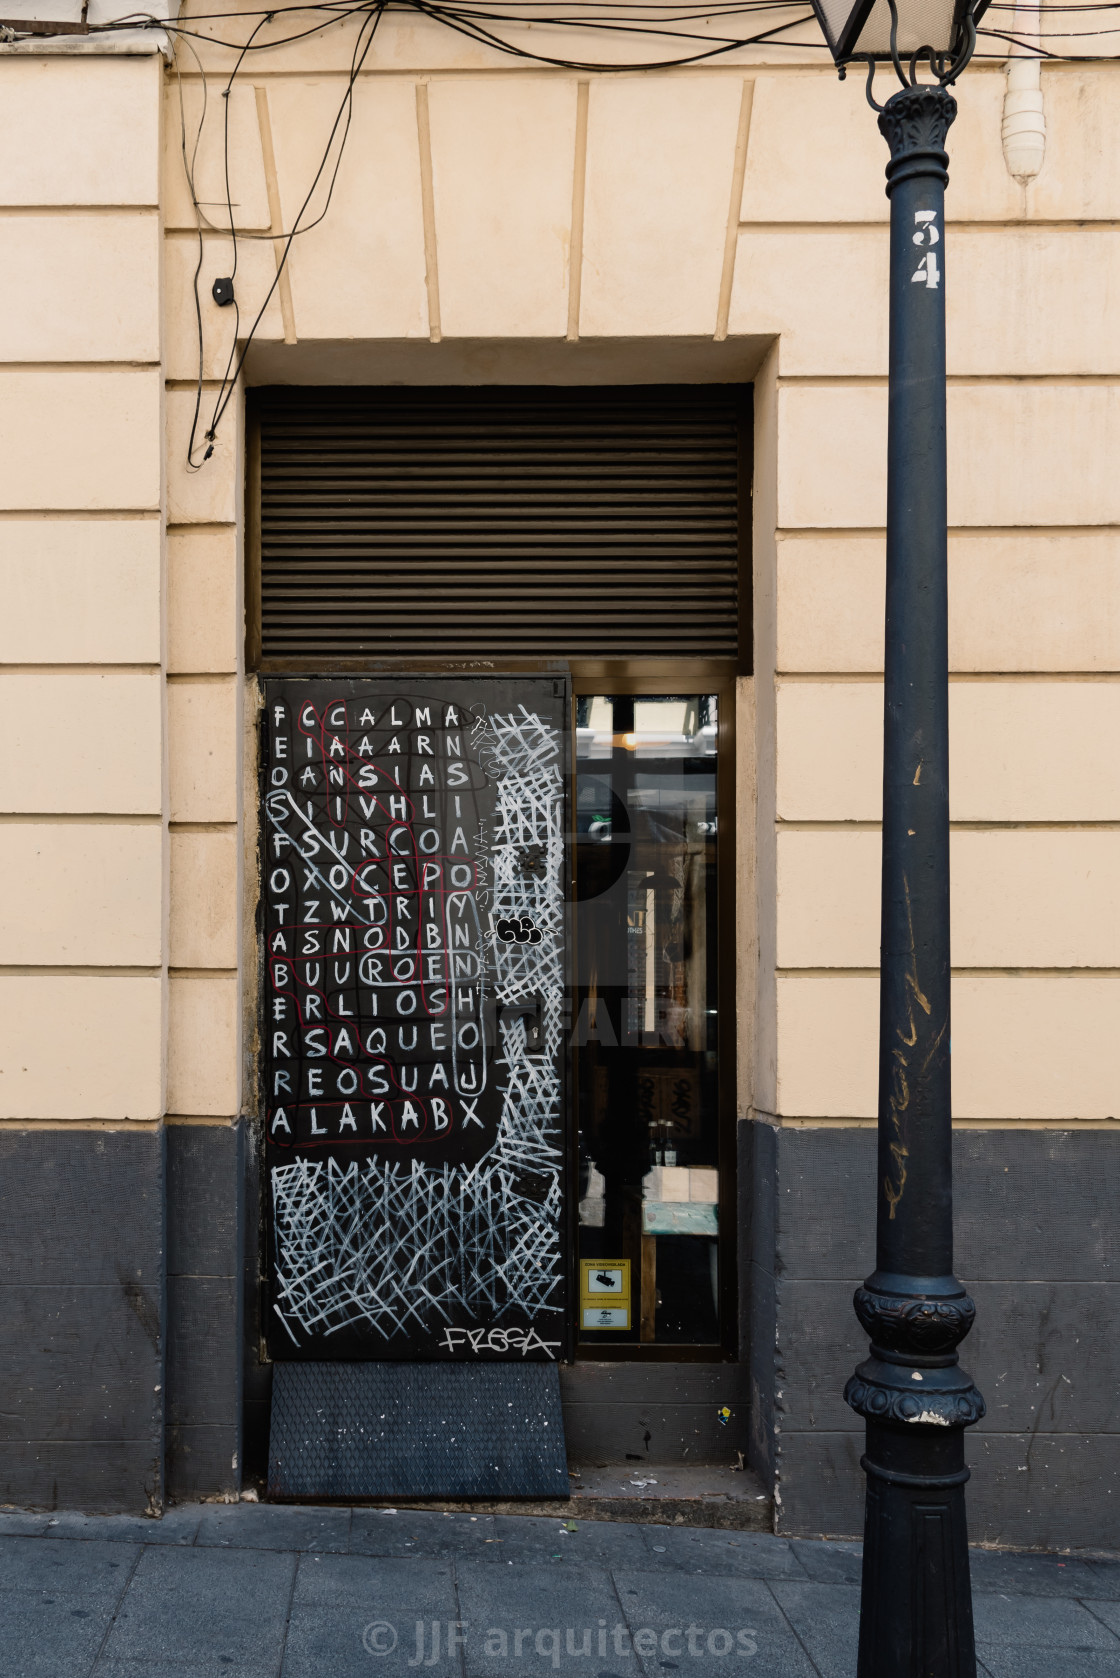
x,y
1106,1579
1004,1572
1013,1621
1050,1663
177,1526
770,1654
327,1640
546,1539
96,1572
396,1588
679,1598
212,1590
826,1618
159,1668
198,1605
708,1627
533,1609
50,1634
1105,1609
248,1526
829,1562
417,1532
744,1555
360,1614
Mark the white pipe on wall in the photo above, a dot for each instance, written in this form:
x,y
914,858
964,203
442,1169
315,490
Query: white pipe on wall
x,y
1024,116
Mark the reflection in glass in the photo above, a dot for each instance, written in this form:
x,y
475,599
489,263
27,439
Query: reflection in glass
x,y
644,1011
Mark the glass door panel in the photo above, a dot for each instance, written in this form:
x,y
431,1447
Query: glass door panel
x,y
645,1020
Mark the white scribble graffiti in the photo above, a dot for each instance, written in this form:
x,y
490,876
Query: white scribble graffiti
x,y
405,1247
401,1246
526,852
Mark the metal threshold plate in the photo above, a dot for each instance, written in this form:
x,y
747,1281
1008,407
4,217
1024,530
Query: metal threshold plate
x,y
358,1430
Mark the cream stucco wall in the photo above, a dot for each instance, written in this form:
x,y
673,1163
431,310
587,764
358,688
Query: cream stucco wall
x,y
83,829
498,221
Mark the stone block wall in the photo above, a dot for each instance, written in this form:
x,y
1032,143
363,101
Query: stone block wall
x,y
1038,1249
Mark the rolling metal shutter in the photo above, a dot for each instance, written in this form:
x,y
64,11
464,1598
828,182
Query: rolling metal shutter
x,y
501,522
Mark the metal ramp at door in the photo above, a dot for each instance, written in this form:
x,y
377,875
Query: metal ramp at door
x,y
410,1430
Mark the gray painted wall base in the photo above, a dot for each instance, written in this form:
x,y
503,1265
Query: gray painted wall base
x,y
1038,1245
112,1249
205,1286
655,1412
82,1312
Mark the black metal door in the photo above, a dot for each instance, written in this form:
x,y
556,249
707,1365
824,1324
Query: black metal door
x,y
412,874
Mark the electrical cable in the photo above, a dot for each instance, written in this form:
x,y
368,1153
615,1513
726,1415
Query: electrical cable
x,y
229,384
468,21
371,12
188,166
479,23
463,24
232,223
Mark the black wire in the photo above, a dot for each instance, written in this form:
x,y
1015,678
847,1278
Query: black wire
x,y
336,15
225,134
1033,48
668,11
471,21
232,225
342,9
307,227
188,165
443,13
149,20
463,25
467,23
229,384
1055,35
371,12
220,403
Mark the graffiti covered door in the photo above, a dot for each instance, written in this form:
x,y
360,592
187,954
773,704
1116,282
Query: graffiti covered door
x,y
413,962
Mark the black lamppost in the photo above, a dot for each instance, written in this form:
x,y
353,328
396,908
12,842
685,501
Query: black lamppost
x,y
916,1610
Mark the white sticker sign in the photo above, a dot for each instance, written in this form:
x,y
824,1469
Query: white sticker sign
x,y
594,1317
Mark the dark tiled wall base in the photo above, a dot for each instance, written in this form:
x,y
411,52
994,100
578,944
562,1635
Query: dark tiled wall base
x,y
758,1296
1038,1244
257,1376
657,1412
82,1313
205,1199
1052,1492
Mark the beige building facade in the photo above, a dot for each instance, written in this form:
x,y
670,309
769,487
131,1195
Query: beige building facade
x,y
500,221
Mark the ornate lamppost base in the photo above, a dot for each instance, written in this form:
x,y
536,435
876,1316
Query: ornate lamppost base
x,y
917,1619
917,1402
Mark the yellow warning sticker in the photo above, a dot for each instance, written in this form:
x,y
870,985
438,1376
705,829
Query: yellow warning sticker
x,y
604,1293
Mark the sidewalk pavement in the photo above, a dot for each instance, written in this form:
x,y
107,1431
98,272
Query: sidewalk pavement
x,y
260,1591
